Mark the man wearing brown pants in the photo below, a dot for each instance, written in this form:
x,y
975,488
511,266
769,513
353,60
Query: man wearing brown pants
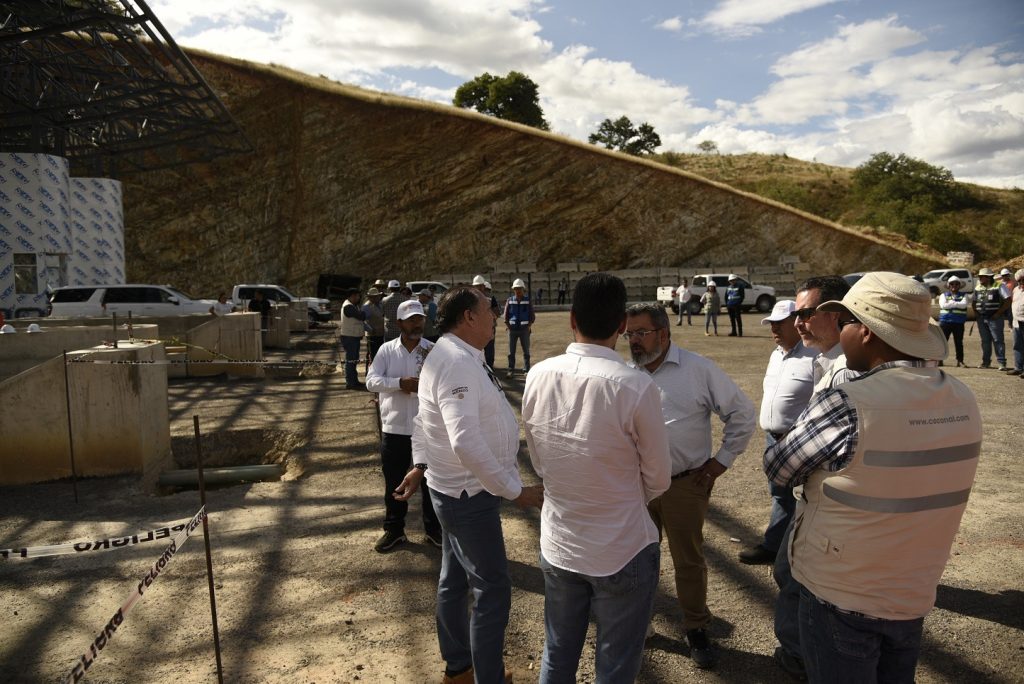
x,y
692,388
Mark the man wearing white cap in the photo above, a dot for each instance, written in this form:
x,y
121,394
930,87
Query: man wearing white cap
x,y
519,318
989,305
395,376
788,384
887,462
390,307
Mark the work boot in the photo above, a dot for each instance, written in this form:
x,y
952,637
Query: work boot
x,y
700,648
757,555
388,541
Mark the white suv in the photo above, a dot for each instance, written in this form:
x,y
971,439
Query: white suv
x,y
317,310
138,300
760,297
936,280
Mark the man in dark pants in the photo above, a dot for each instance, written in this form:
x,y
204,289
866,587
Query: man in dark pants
x,y
352,317
395,376
261,305
734,295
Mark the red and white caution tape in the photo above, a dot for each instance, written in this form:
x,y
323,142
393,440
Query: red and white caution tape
x,y
102,640
80,547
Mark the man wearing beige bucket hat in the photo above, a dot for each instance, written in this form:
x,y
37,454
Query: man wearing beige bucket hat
x,y
887,462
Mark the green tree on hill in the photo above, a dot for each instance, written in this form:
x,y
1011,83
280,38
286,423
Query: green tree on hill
x,y
622,136
513,97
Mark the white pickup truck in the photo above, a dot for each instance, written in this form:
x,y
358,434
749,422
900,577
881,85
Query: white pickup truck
x,y
760,297
317,310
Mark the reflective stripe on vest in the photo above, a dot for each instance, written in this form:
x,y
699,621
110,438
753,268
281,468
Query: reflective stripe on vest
x,y
953,315
733,296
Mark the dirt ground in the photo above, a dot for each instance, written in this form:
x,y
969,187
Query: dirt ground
x,y
302,597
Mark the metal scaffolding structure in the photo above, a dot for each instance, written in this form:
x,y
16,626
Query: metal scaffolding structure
x,y
102,83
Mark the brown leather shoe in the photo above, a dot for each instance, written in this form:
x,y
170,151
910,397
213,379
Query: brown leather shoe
x,y
461,678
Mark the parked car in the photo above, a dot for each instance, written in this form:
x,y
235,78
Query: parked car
x,y
759,297
317,310
936,280
139,300
439,288
851,278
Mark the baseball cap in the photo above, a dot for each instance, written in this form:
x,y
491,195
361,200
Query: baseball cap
x,y
393,284
782,310
409,308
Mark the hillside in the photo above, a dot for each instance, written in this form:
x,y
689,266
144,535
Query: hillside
x,y
349,181
993,229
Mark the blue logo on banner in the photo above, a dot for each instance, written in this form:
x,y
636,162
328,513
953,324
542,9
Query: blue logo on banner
x,y
24,229
103,242
7,293
78,184
46,209
5,247
19,175
79,196
52,176
53,242
81,274
95,214
25,210
97,272
4,212
25,243
83,256
4,196
5,230
23,195
101,255
98,197
7,271
53,162
19,161
3,179
81,243
45,193
77,213
110,217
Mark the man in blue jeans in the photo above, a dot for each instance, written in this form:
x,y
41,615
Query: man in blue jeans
x,y
887,462
519,319
989,306
465,438
596,438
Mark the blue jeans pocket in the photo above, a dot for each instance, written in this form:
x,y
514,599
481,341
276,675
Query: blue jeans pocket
x,y
848,636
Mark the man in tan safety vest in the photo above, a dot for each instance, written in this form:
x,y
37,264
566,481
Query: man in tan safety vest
x,y
887,462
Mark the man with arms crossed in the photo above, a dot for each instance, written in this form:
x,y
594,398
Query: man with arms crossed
x,y
595,434
692,388
887,462
788,383
466,437
395,376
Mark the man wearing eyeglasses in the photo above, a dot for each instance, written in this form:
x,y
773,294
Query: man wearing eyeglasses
x,y
692,388
887,462
818,330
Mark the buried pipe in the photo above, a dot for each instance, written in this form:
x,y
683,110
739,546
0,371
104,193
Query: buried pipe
x,y
234,475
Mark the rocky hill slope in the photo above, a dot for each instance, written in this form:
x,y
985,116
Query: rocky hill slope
x,y
349,181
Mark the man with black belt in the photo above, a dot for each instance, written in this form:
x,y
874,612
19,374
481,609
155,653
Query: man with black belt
x,y
395,375
887,462
734,296
692,388
788,384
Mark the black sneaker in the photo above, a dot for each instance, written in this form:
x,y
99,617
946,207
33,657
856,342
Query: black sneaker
x,y
433,539
793,665
757,555
700,648
388,541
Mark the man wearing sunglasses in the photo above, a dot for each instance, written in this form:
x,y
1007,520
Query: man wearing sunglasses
x,y
692,388
887,462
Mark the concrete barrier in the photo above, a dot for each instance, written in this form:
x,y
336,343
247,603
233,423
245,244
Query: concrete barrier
x,y
119,417
234,337
22,351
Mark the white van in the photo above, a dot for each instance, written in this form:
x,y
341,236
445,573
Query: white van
x,y
139,300
317,310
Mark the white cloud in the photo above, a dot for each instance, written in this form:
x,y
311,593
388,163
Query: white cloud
x,y
745,17
673,24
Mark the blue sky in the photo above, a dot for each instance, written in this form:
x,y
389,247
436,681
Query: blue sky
x,y
831,80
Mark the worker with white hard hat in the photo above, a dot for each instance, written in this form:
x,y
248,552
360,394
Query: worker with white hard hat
x,y
519,319
480,283
953,315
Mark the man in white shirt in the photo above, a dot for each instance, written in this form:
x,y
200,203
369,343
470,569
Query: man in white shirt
x,y
394,375
596,438
465,436
818,330
788,383
692,388
683,297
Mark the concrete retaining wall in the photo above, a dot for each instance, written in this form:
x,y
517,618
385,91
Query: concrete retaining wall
x,y
22,351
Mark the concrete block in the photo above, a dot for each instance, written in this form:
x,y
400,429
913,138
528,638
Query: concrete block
x,y
567,267
234,337
276,336
22,351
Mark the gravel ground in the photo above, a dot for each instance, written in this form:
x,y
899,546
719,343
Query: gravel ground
x,y
302,597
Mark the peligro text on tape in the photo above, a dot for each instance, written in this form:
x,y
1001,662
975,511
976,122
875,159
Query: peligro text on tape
x,y
196,362
106,634
99,545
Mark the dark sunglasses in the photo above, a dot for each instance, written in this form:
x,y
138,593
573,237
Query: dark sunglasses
x,y
843,324
805,313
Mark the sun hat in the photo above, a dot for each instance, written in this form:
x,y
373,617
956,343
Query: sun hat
x,y
782,310
394,284
986,272
1005,272
373,292
409,308
898,310
478,280
425,293
518,282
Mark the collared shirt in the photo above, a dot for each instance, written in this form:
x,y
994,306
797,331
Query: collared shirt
x,y
788,385
221,308
374,322
830,369
465,430
389,305
597,439
692,388
824,436
392,363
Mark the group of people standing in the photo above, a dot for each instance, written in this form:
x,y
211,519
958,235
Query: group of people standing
x,y
711,303
995,304
862,433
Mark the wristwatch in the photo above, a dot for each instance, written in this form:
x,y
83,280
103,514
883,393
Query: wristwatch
x,y
420,466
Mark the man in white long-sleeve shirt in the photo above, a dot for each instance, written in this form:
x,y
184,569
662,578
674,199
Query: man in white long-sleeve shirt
x,y
465,437
394,375
692,388
596,438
